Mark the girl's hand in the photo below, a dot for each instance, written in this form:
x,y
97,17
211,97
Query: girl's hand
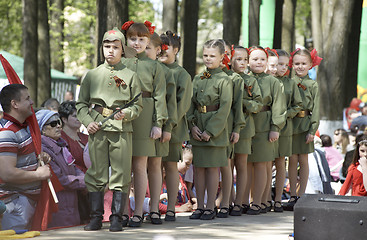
x,y
205,137
363,162
156,132
273,136
166,136
119,116
234,137
93,127
309,138
196,133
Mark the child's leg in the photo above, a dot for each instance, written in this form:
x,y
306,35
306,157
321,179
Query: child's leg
x,y
199,182
226,184
211,180
292,173
155,181
172,182
279,178
303,173
246,195
259,182
139,167
266,193
241,178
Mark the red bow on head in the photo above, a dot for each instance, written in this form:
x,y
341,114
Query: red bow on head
x,y
257,48
226,61
164,47
232,51
290,64
149,26
316,60
267,49
127,25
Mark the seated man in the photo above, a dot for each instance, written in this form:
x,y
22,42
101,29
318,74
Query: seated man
x,y
20,173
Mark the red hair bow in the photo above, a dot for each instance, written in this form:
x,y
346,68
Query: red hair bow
x,y
149,26
127,25
316,60
164,47
290,64
267,49
226,60
232,51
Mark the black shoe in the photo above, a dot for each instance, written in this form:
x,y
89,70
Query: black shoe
x,y
156,220
223,212
96,200
133,223
270,206
125,220
245,207
252,211
209,216
236,211
290,205
117,207
170,218
197,214
278,206
263,208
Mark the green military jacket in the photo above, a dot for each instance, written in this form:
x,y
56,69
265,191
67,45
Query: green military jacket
x,y
152,80
236,119
214,90
170,99
183,84
99,87
311,102
252,103
293,101
271,92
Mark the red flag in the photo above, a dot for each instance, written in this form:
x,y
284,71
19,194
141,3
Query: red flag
x,y
46,205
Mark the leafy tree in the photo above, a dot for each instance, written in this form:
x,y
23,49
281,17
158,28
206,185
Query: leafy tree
x,y
11,27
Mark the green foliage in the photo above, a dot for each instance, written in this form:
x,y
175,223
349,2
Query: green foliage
x,y
303,17
141,10
10,26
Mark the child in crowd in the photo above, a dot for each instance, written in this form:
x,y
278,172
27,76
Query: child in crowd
x,y
148,126
268,122
179,133
207,117
357,172
284,148
251,103
153,51
305,123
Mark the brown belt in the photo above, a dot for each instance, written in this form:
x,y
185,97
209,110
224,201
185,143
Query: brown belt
x,y
265,108
105,112
145,94
205,109
303,113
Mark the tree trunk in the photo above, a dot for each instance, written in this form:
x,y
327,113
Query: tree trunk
x,y
101,26
277,39
57,34
44,72
117,13
254,26
232,14
289,8
190,31
335,27
30,42
170,15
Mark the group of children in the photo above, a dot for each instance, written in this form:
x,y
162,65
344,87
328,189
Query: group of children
x,y
244,110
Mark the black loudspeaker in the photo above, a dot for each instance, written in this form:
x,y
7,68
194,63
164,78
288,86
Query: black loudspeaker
x,y
322,216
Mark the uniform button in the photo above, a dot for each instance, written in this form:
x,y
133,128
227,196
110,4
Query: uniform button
x,y
112,67
110,77
109,83
201,90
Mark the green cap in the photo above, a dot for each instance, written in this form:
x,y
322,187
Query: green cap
x,y
116,34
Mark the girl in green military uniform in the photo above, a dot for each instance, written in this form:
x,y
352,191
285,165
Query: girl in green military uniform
x,y
293,101
268,122
108,87
251,103
154,50
236,122
207,117
179,132
305,123
148,127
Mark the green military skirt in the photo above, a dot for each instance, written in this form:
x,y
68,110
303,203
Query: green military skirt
x,y
299,145
283,147
243,146
262,149
209,156
162,149
230,151
143,145
174,154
